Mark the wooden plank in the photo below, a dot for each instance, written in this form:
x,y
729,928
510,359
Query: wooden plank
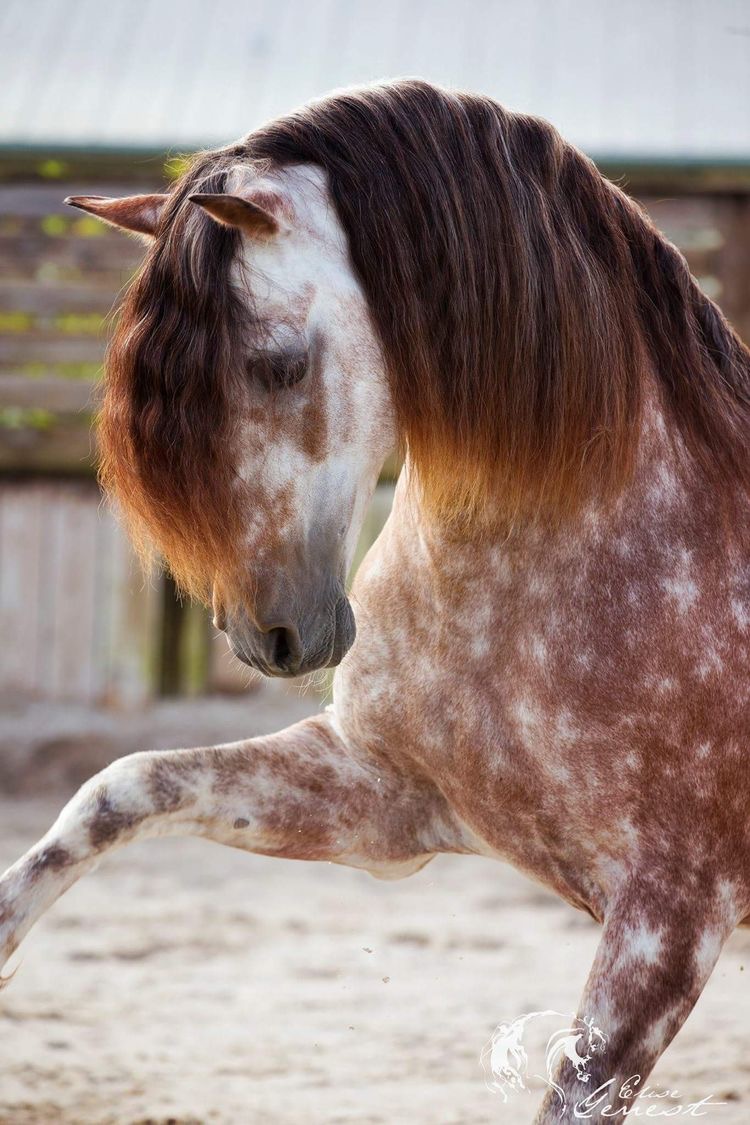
x,y
55,638
102,595
675,178
34,269
136,610
31,347
36,200
97,621
67,446
690,209
75,224
21,518
44,299
109,550
733,266
65,395
73,640
26,236
48,589
94,171
695,225
25,255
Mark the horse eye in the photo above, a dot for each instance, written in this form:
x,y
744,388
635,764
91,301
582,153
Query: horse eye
x,y
277,371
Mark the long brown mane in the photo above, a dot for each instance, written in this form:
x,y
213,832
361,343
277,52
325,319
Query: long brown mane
x,y
522,302
172,384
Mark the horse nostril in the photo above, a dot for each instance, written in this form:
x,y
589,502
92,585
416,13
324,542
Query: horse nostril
x,y
283,649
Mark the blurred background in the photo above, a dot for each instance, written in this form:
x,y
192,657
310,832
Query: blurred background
x,y
95,660
107,100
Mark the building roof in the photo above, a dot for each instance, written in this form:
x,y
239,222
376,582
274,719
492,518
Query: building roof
x,y
645,79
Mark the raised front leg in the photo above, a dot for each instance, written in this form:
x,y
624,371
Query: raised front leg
x,y
300,793
660,943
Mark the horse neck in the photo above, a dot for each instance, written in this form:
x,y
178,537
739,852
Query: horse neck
x,y
662,497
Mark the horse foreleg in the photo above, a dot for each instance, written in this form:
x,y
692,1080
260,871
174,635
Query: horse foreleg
x,y
657,951
300,793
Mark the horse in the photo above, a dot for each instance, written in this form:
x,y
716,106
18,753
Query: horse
x,y
551,657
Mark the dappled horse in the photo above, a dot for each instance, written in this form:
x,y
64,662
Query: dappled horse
x,y
551,664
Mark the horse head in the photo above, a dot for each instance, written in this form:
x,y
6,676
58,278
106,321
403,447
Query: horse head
x,y
246,416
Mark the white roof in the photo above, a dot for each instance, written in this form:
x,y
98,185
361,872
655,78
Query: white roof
x,y
652,79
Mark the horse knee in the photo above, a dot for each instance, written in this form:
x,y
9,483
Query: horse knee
x,y
110,807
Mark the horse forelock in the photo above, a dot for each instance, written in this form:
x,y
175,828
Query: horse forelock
x,y
167,429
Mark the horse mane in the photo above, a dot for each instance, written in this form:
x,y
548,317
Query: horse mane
x,y
523,303
167,427
521,300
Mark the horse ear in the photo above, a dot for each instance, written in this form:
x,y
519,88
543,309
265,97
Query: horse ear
x,y
137,213
235,211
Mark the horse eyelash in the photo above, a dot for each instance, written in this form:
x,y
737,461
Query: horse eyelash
x,y
277,371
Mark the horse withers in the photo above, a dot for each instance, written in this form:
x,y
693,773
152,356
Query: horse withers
x,y
553,629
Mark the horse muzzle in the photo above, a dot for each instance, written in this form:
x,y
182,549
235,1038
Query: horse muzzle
x,y
286,645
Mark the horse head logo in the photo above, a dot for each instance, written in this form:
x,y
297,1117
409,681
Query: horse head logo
x,y
506,1063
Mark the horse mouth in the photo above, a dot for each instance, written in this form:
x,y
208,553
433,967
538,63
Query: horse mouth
x,y
344,633
313,650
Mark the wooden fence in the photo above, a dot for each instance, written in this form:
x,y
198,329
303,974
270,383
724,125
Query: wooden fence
x,y
60,273
77,620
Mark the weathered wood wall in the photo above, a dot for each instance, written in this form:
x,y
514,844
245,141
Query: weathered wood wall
x,y
77,619
96,630
60,273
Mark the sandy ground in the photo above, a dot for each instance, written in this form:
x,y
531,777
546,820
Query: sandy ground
x,y
184,982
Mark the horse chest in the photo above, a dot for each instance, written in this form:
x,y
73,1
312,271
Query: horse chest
x,y
564,707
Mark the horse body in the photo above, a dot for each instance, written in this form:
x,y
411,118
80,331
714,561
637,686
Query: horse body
x,y
578,697
567,694
602,657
